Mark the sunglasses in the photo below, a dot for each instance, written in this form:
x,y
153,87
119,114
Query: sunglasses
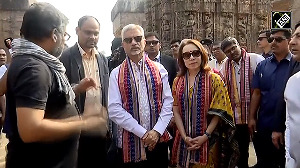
x,y
153,42
187,55
260,38
277,39
136,38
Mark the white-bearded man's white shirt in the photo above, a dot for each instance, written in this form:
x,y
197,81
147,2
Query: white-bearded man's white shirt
x,y
124,119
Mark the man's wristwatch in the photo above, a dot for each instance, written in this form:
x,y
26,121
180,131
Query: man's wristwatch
x,y
207,134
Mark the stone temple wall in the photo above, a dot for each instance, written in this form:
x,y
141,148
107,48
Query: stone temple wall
x,y
212,19
215,19
125,12
288,5
11,16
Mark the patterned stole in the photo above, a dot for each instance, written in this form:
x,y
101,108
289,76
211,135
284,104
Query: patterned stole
x,y
193,116
242,102
129,93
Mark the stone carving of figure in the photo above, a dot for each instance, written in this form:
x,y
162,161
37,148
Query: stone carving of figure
x,y
180,20
191,25
245,6
165,23
226,5
206,5
228,25
262,19
197,34
191,21
208,26
242,28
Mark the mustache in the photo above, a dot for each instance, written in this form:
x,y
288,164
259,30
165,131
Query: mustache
x,y
133,48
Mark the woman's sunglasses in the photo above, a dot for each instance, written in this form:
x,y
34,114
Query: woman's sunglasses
x,y
187,55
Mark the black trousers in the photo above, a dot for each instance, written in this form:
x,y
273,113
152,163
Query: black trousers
x,y
92,152
267,154
243,137
172,131
158,158
170,147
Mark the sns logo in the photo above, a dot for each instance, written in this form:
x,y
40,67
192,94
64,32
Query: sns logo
x,y
281,20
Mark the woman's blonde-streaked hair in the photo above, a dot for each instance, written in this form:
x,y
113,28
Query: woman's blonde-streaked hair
x,y
204,56
131,27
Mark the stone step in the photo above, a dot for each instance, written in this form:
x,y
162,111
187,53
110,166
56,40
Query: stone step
x,y
3,143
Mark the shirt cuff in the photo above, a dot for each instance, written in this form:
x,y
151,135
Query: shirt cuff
x,y
140,132
159,129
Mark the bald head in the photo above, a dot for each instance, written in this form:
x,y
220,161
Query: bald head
x,y
88,32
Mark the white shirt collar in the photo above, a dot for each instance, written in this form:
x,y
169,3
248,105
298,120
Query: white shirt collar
x,y
158,57
82,52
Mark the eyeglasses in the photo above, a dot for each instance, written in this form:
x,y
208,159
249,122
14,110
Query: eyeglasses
x,y
277,39
187,55
136,38
261,38
67,36
153,42
229,51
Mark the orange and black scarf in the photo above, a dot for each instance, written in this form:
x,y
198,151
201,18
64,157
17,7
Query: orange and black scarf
x,y
194,116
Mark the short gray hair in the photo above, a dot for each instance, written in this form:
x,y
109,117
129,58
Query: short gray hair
x,y
131,27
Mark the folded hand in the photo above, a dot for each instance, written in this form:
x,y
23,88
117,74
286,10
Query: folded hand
x,y
150,139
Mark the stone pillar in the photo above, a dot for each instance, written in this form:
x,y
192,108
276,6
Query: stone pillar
x,y
11,16
125,12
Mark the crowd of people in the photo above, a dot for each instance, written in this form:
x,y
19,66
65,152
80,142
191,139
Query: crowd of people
x,y
140,108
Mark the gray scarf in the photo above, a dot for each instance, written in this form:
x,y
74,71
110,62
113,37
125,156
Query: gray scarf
x,y
24,47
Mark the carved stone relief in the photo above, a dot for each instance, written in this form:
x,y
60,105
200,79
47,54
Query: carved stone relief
x,y
191,20
227,5
181,20
262,19
227,25
242,29
213,19
244,6
208,7
165,23
208,26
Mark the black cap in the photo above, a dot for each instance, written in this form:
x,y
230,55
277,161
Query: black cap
x,y
206,41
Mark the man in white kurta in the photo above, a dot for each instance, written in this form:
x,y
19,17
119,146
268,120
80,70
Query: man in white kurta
x,y
292,99
141,143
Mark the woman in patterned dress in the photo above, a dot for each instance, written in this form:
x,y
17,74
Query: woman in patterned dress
x,y
202,112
